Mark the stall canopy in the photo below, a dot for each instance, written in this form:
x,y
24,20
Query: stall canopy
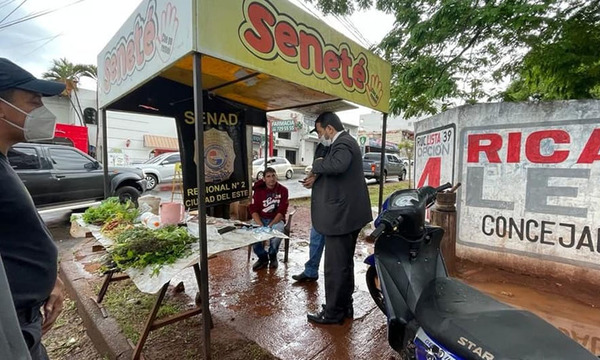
x,y
179,58
270,56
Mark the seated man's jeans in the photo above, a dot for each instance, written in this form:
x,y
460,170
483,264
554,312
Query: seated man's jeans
x,y
315,251
274,243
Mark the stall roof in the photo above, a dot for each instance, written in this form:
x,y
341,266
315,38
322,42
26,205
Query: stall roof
x,y
266,55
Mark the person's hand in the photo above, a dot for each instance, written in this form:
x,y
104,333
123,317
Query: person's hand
x,y
54,306
309,181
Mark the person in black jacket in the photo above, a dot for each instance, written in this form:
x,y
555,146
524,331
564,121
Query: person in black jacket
x,y
28,251
317,240
340,208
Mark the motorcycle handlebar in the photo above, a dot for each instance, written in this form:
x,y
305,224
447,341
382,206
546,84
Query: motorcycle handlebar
x,y
443,187
376,233
386,224
382,227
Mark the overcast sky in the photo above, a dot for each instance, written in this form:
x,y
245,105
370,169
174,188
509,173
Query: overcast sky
x,y
79,29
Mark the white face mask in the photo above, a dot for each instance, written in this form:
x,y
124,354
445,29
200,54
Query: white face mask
x,y
324,142
39,123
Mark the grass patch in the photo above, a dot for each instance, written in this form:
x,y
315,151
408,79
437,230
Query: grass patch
x,y
388,189
131,307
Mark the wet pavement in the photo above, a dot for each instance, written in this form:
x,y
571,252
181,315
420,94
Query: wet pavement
x,y
268,307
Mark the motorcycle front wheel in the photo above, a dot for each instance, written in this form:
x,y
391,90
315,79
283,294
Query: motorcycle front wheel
x,y
374,288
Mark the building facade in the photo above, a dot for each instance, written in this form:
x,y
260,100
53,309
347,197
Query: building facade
x,y
132,138
291,138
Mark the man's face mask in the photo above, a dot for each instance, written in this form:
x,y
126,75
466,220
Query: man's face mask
x,y
324,142
39,123
324,138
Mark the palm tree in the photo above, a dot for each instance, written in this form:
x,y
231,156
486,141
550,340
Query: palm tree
x,y
68,73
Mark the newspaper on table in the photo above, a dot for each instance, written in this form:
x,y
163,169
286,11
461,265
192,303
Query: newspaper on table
x,y
150,283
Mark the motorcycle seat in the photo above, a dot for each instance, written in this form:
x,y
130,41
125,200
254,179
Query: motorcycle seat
x,y
473,325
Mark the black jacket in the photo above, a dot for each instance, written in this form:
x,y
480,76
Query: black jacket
x,y
340,199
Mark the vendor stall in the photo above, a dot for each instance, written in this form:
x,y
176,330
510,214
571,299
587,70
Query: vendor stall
x,y
230,61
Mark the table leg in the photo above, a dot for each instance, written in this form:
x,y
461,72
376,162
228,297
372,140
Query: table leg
x,y
110,277
149,323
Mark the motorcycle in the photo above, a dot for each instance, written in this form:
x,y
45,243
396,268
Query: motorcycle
x,y
431,316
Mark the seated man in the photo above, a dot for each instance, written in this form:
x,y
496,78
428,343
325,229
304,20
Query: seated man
x,y
268,208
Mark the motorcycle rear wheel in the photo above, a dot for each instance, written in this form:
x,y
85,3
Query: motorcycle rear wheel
x,y
374,289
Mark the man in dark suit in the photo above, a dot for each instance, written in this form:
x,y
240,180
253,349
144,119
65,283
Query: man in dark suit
x,y
340,208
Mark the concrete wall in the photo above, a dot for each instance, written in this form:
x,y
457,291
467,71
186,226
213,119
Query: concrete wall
x,y
530,199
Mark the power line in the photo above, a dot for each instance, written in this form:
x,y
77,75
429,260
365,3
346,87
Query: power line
x,y
41,46
307,8
12,12
5,3
349,25
32,41
38,14
353,30
357,32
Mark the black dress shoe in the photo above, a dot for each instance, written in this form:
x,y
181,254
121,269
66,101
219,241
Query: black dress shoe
x,y
348,314
320,318
303,278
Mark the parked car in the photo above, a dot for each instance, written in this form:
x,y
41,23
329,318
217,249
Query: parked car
x,y
281,165
159,169
393,166
308,169
405,162
58,174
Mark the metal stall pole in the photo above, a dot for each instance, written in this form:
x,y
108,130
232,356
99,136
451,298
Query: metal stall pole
x,y
267,146
104,153
382,163
198,116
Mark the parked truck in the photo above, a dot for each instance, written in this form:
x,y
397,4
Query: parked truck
x,y
392,166
64,175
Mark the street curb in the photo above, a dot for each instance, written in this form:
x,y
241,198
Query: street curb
x,y
104,332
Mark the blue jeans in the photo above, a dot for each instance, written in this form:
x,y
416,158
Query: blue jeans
x,y
274,243
315,251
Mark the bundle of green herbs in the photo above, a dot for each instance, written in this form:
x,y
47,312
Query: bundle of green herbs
x,y
109,210
139,247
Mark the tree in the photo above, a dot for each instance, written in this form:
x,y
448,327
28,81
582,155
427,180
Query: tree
x,y
442,51
568,67
68,73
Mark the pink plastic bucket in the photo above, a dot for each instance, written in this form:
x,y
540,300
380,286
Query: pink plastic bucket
x,y
171,213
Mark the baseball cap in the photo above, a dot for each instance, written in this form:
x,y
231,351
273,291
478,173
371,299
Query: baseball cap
x,y
12,76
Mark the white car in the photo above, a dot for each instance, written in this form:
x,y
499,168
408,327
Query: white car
x,y
308,169
281,165
405,162
159,169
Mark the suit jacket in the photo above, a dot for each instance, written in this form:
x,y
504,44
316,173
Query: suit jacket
x,y
340,199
